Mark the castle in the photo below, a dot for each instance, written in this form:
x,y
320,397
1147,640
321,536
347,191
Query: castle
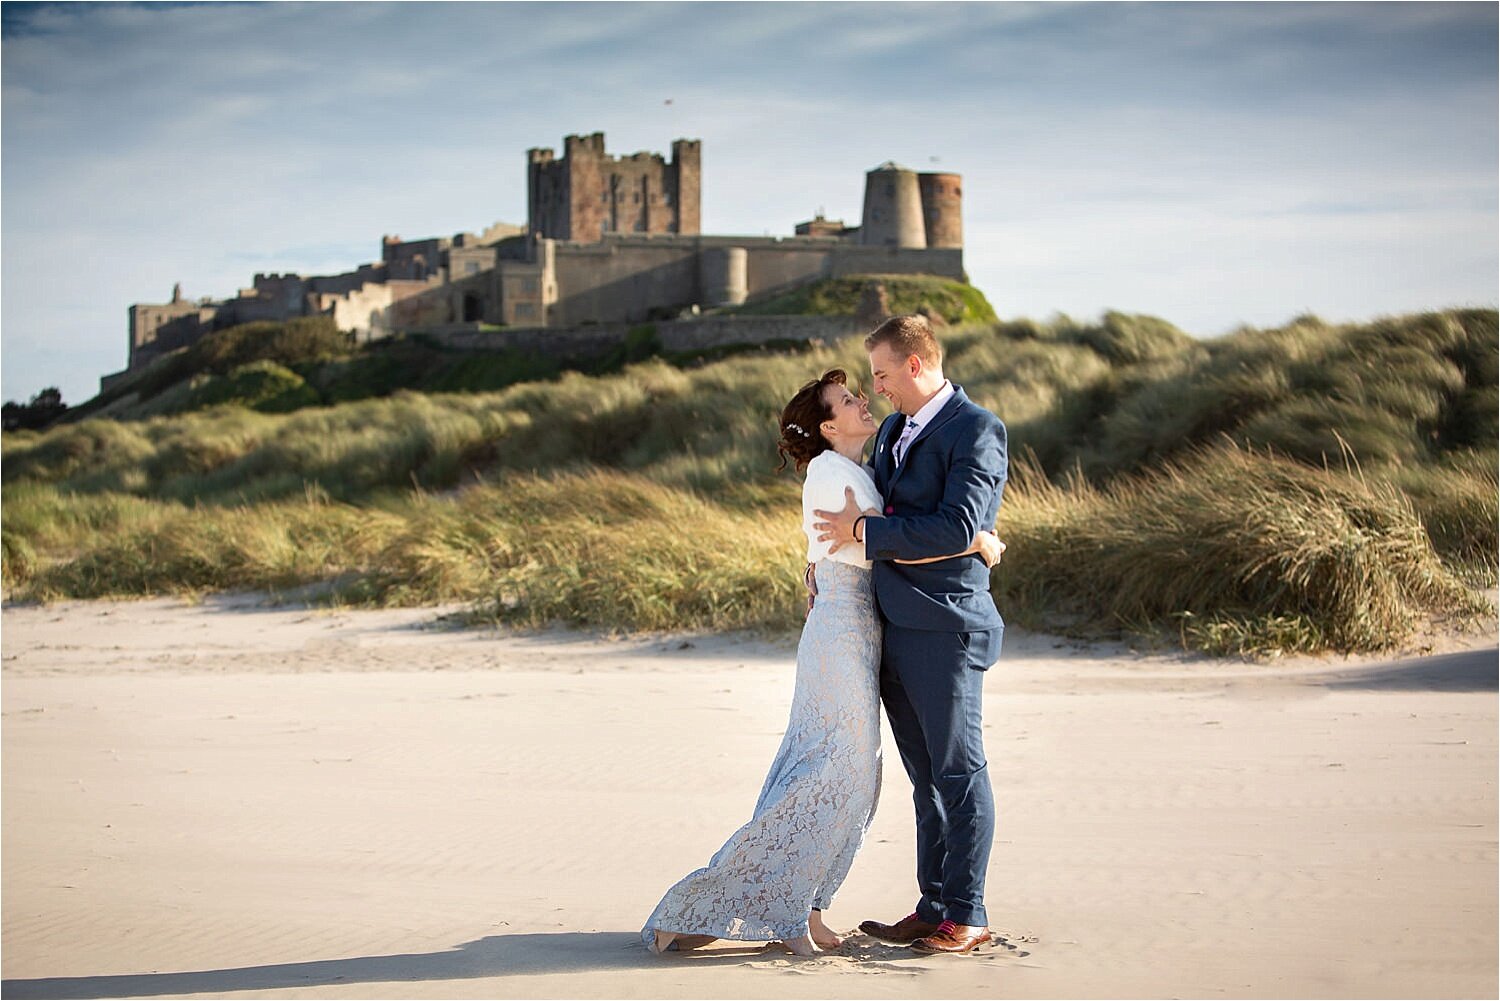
x,y
607,240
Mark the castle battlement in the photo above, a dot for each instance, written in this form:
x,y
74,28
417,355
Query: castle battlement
x,y
588,193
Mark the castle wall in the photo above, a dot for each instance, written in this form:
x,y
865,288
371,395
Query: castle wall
x,y
156,329
857,260
526,289
622,279
413,260
252,309
607,282
418,303
377,309
466,262
365,311
349,280
675,335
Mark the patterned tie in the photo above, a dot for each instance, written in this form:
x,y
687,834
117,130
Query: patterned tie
x,y
907,434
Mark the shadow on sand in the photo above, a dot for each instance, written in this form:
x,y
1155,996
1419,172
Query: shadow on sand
x,y
1469,671
493,956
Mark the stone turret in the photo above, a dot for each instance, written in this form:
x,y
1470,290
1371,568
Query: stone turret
x,y
893,208
942,209
722,273
911,210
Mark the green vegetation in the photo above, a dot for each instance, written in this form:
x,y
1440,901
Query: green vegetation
x,y
1247,553
955,302
1310,487
260,385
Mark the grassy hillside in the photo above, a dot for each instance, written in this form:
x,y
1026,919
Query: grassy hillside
x,y
1309,487
955,302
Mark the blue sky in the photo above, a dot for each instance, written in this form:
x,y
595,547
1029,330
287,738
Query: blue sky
x,y
1213,164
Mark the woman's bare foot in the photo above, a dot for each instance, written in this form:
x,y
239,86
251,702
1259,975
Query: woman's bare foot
x,y
666,939
687,942
802,945
823,937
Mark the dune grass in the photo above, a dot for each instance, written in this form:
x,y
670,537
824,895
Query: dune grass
x,y
1245,553
601,549
1233,552
1310,487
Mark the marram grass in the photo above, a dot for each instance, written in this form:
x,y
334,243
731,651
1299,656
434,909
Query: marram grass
x,y
1243,553
1310,487
1231,551
601,549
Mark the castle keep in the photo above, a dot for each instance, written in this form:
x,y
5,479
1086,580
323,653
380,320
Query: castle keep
x,y
587,193
607,240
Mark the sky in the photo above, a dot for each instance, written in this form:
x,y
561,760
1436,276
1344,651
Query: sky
x,y
1212,164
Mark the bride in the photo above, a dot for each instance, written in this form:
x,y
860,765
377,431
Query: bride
x,y
774,876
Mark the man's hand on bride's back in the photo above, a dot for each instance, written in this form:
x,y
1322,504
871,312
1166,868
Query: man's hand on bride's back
x,y
838,526
990,548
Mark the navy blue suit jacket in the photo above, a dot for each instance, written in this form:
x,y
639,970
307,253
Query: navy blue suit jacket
x,y
946,490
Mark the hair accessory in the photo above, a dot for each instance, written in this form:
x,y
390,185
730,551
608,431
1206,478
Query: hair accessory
x,y
798,428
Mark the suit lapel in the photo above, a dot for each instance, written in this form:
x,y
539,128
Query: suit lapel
x,y
948,411
884,460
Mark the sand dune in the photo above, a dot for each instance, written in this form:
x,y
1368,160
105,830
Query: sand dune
x,y
229,800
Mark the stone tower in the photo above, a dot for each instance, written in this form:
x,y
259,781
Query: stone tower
x,y
910,210
589,193
893,208
942,209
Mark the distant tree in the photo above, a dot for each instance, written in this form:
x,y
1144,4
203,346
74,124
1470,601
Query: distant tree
x,y
44,408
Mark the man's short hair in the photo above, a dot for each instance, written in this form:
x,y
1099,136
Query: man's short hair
x,y
907,336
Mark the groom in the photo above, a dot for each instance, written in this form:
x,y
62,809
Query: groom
x,y
940,464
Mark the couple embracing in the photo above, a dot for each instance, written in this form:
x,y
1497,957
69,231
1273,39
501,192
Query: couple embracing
x,y
901,613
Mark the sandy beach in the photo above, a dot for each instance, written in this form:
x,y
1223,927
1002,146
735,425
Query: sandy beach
x,y
227,799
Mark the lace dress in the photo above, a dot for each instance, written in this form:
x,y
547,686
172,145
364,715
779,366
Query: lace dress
x,y
823,786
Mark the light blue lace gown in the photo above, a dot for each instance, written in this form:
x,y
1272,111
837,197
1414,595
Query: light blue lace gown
x,y
824,784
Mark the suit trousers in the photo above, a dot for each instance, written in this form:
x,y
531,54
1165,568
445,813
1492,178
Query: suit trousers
x,y
932,684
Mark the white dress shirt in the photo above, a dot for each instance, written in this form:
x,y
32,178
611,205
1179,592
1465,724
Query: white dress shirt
x,y
917,421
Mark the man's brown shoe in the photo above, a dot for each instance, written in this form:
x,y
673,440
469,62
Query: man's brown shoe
x,y
903,932
950,937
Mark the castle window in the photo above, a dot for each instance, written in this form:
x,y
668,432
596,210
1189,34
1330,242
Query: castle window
x,y
525,311
471,268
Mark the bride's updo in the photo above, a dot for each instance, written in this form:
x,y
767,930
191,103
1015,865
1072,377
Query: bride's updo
x,y
801,440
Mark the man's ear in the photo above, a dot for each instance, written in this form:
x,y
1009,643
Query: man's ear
x,y
914,365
